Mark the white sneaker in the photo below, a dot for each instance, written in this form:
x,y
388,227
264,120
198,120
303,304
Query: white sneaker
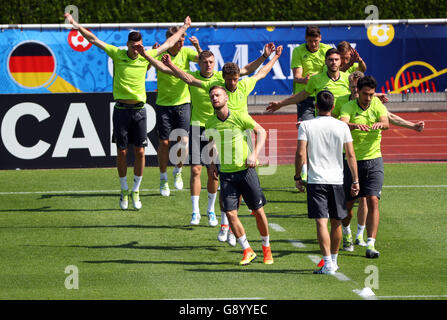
x,y
164,188
223,234
212,220
135,195
124,199
325,270
178,181
195,219
231,239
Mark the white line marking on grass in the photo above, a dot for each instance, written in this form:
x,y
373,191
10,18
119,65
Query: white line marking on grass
x,y
186,189
414,296
277,227
297,243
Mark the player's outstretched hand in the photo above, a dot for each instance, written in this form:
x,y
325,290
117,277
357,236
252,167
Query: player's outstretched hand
x,y
362,127
187,22
382,97
273,106
166,59
279,51
419,126
156,45
377,126
269,48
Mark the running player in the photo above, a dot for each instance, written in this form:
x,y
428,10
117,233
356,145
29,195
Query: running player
x,y
308,59
129,91
237,170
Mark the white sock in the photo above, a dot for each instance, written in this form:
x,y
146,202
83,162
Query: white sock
x,y
163,175
360,230
195,204
211,201
177,170
136,182
371,241
346,230
223,219
265,241
123,183
334,258
327,261
243,242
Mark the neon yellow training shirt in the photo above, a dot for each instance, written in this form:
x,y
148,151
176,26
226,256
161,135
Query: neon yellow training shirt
x,y
201,107
129,75
238,99
322,81
171,90
230,138
366,143
311,62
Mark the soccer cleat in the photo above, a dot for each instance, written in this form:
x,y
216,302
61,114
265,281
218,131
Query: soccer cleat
x,y
178,181
231,239
135,195
321,263
325,270
371,252
360,242
347,243
223,234
268,259
212,220
164,188
249,256
124,199
195,219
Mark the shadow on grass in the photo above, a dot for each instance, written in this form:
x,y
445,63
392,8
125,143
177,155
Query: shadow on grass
x,y
126,261
245,269
92,195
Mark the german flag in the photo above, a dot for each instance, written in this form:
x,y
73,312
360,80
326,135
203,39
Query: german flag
x,y
32,64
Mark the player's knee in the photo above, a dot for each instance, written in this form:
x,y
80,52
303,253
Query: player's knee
x,y
196,170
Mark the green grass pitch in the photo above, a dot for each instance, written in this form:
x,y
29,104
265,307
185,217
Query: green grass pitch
x,y
53,219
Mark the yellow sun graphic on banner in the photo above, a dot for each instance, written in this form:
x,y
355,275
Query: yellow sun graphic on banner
x,y
380,34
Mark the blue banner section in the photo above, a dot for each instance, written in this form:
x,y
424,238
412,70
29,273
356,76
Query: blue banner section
x,y
408,56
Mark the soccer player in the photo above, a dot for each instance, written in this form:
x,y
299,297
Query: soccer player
x,y
350,58
308,59
173,111
333,80
226,128
367,117
320,143
362,207
129,91
201,111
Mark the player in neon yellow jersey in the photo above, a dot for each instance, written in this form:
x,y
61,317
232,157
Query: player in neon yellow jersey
x,y
226,129
129,91
308,59
367,117
201,111
173,110
332,80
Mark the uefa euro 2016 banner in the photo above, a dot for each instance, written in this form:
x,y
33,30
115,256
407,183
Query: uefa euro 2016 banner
x,y
61,60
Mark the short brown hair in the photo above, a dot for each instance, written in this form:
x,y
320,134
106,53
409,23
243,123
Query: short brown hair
x,y
313,31
171,31
205,54
331,52
134,36
230,68
344,47
218,87
356,75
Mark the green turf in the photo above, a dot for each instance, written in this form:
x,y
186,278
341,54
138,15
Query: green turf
x,y
154,253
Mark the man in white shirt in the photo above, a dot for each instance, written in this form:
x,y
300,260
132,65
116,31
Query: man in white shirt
x,y
321,142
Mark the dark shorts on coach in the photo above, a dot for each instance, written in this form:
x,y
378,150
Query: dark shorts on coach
x,y
306,109
172,117
326,201
129,125
245,183
371,176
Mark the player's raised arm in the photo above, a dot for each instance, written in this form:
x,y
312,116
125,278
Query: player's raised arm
x,y
85,33
266,69
169,43
153,62
398,121
296,98
179,73
269,48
